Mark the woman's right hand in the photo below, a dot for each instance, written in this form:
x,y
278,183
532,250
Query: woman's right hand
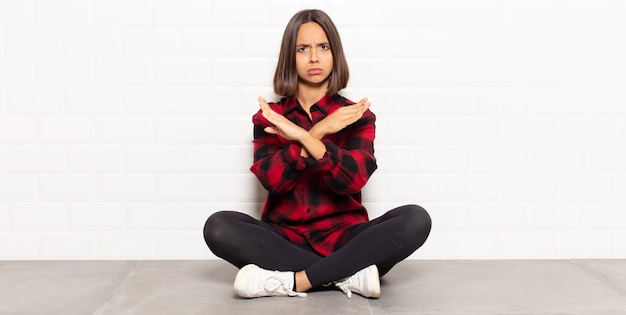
x,y
341,118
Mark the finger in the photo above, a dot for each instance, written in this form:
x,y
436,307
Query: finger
x,y
271,130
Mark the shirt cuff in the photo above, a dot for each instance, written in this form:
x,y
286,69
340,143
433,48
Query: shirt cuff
x,y
291,154
328,161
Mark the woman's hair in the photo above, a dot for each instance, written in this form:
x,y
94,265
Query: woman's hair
x,y
286,76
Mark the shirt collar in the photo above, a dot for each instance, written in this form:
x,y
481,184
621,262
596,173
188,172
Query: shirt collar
x,y
325,104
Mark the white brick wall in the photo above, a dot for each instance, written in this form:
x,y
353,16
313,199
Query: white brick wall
x,y
124,124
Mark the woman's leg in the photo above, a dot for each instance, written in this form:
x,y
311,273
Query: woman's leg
x,y
384,241
241,239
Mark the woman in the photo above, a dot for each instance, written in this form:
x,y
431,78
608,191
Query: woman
x,y
314,152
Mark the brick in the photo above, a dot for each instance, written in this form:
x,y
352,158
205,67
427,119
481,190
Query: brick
x,y
200,100
605,158
497,216
185,188
478,14
151,42
35,101
155,216
526,187
266,42
584,244
95,159
555,216
126,245
242,72
3,159
124,71
211,42
183,72
531,14
16,13
126,187
62,12
17,71
606,100
582,13
522,244
65,188
415,188
66,130
498,159
16,245
468,244
153,159
18,130
422,14
217,159
96,216
588,130
18,187
184,130
193,13
154,101
122,12
469,187
230,14
125,130
239,130
556,159
502,43
65,71
39,216
36,159
34,42
604,216
68,245
182,245
237,187
97,42
94,101
585,187
4,217
557,101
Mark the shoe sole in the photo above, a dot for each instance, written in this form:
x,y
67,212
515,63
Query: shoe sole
x,y
376,284
239,278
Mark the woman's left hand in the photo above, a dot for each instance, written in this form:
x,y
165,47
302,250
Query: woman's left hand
x,y
281,125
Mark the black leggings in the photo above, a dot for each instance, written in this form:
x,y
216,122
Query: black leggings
x,y
240,239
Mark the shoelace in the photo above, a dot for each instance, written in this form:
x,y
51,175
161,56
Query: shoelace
x,y
278,283
344,285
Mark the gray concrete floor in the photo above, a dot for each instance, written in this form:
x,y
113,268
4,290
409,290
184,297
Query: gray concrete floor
x,y
412,287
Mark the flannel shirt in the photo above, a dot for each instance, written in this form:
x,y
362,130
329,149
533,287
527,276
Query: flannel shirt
x,y
312,201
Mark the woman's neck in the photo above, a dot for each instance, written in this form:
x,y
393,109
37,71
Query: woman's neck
x,y
307,96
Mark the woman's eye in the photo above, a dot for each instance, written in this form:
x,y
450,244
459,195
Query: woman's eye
x,y
324,46
301,49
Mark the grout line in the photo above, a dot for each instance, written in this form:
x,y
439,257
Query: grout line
x,y
112,293
599,275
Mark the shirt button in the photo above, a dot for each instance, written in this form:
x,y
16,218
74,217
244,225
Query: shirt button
x,y
308,210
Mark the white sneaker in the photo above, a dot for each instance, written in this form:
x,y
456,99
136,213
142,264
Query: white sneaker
x,y
365,282
253,282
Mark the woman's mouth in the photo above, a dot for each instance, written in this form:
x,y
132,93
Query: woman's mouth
x,y
314,71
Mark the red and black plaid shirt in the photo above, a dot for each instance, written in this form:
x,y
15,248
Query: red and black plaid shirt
x,y
314,201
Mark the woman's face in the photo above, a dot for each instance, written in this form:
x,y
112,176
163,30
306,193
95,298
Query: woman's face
x,y
314,59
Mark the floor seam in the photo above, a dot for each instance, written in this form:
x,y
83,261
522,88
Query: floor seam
x,y
122,280
598,275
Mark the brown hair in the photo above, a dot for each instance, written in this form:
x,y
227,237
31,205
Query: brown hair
x,y
286,76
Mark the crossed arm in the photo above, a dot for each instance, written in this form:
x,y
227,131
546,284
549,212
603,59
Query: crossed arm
x,y
311,140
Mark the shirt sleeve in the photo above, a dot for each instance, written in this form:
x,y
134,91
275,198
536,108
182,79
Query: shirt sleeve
x,y
347,168
277,161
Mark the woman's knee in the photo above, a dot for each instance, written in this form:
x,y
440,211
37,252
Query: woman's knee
x,y
417,222
217,226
